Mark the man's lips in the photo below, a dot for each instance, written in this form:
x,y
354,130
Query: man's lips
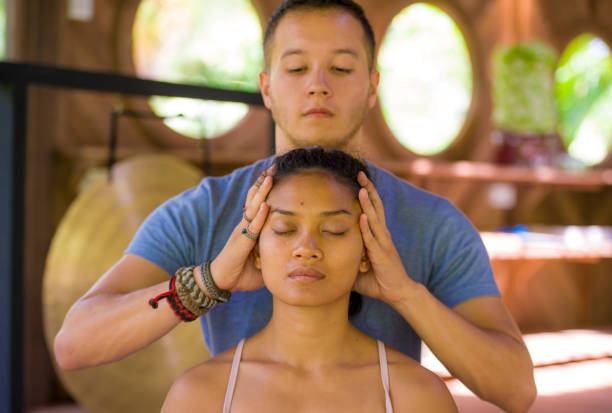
x,y
306,274
318,113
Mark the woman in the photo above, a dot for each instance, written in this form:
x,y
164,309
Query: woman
x,y
309,357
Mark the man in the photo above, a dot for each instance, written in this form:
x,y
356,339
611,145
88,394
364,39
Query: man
x,y
319,83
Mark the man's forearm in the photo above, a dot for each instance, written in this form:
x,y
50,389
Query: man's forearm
x,y
496,366
108,327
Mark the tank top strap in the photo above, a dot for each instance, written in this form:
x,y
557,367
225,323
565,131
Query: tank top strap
x,y
384,373
229,393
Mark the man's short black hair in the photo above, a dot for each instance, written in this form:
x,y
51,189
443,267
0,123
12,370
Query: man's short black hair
x,y
308,5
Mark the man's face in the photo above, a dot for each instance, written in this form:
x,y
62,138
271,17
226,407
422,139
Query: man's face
x,y
318,84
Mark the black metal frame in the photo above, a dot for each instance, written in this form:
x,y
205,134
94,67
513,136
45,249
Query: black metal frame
x,y
15,79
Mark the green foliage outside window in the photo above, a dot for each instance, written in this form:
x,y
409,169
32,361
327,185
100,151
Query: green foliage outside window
x,y
426,78
205,42
583,86
523,89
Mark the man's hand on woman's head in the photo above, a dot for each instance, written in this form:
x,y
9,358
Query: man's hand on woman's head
x,y
387,279
233,268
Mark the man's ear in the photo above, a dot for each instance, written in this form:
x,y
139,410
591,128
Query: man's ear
x,y
364,265
264,88
373,91
256,257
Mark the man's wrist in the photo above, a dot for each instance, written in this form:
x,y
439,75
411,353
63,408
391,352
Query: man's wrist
x,y
219,282
407,295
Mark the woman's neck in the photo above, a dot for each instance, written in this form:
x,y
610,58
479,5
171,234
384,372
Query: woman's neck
x,y
310,338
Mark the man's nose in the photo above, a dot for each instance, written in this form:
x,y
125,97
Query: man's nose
x,y
319,84
307,249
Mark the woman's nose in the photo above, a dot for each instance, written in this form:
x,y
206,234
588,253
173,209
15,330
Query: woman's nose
x,y
307,249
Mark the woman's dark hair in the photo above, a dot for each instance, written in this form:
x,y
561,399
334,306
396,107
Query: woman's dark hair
x,y
340,165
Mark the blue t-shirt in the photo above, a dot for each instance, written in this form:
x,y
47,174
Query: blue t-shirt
x,y
439,248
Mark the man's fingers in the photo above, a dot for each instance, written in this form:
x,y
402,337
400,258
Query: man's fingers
x,y
369,240
373,195
260,195
250,232
374,223
253,204
255,187
260,180
259,220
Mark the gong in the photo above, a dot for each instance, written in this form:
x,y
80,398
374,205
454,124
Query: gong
x,y
91,237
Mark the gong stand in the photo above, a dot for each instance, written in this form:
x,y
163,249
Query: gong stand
x,y
15,79
113,141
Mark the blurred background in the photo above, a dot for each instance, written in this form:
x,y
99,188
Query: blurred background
x,y
502,106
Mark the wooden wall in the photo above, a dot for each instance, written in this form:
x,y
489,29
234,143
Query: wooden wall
x,y
68,133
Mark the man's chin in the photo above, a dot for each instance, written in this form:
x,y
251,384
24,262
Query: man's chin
x,y
324,140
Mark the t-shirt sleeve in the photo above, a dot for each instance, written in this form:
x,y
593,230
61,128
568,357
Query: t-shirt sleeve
x,y
165,238
461,268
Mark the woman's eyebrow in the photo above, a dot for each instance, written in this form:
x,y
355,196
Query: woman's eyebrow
x,y
325,213
282,211
338,212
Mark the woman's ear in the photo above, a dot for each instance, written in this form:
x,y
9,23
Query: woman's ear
x,y
364,265
256,257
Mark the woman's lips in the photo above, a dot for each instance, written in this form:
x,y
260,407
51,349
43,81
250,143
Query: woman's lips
x,y
309,275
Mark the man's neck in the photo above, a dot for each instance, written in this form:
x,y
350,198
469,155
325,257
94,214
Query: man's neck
x,y
285,144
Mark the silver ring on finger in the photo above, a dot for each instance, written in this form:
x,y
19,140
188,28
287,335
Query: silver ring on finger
x,y
246,218
250,235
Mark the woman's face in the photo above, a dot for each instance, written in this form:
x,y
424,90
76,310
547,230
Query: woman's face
x,y
310,249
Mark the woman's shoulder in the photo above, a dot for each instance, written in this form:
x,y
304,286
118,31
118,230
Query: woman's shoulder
x,y
415,388
202,385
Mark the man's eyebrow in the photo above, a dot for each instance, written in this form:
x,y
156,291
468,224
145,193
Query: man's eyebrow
x,y
347,50
350,51
290,52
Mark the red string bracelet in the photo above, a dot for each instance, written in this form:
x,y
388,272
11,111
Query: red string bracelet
x,y
175,303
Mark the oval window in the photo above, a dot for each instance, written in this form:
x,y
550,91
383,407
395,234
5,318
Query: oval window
x,y
426,79
205,42
2,29
583,87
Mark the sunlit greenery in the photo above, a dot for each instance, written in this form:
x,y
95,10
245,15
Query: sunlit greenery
x,y
426,78
2,29
523,89
205,42
583,86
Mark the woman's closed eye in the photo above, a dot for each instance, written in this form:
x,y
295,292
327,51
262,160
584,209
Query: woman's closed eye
x,y
337,233
289,231
283,232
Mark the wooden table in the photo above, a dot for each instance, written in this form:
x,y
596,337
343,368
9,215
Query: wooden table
x,y
516,258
